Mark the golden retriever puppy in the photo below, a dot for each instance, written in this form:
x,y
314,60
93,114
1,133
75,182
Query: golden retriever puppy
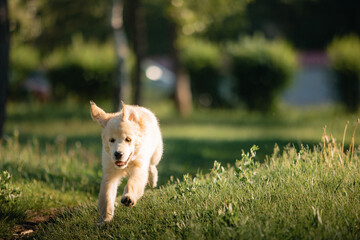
x,y
131,147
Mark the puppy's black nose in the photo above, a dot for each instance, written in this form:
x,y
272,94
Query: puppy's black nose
x,y
118,155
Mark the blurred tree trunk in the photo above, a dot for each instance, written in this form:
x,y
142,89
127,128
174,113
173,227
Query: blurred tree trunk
x,y
183,96
138,34
4,61
121,47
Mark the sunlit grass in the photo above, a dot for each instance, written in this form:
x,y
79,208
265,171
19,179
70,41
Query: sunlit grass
x,y
303,194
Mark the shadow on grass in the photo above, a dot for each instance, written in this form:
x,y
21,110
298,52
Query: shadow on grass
x,y
183,156
48,113
281,118
91,143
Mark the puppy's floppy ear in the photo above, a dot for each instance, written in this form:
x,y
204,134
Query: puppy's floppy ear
x,y
99,115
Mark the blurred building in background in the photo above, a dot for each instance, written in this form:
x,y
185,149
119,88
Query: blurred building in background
x,y
314,83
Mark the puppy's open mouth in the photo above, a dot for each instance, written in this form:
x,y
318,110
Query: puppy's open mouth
x,y
120,163
123,163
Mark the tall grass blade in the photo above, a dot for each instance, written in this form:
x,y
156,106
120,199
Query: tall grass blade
x,y
352,144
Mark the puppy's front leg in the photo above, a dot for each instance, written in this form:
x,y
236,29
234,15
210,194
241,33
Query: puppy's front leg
x,y
135,187
107,195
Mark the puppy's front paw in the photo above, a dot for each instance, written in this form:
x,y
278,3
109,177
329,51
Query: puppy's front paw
x,y
128,201
102,222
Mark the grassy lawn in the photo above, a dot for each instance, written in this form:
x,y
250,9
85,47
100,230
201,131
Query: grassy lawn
x,y
53,156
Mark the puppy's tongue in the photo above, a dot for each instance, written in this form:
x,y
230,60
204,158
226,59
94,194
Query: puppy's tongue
x,y
119,163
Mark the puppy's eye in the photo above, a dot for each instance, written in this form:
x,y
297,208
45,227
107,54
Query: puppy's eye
x,y
127,139
112,140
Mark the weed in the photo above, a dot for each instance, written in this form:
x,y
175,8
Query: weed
x,y
186,187
245,168
8,194
9,205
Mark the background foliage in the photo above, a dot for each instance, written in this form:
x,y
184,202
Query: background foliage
x,y
203,61
36,37
262,69
83,69
345,60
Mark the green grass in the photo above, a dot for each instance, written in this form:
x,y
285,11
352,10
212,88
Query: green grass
x,y
53,155
295,195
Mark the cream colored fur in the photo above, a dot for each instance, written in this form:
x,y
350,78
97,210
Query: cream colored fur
x,y
135,134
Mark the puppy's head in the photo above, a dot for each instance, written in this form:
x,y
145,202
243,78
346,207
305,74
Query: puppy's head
x,y
121,133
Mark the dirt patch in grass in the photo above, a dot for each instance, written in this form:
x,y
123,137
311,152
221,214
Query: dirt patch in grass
x,y
33,220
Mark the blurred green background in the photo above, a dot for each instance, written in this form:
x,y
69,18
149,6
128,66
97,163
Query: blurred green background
x,y
236,53
221,75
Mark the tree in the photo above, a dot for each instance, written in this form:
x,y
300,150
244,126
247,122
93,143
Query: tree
x,y
4,61
183,96
117,23
300,21
136,32
189,18
50,24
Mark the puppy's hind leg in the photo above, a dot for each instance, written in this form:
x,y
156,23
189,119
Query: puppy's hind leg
x,y
155,159
153,176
